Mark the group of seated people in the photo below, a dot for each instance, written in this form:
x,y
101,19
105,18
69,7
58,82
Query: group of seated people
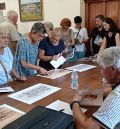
x,y
45,43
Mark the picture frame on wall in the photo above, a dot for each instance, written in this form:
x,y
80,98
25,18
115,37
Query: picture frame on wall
x,y
31,10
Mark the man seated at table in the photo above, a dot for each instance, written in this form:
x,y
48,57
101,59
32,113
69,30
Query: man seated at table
x,y
108,115
49,49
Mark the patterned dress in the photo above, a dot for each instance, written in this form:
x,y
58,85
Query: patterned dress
x,y
28,52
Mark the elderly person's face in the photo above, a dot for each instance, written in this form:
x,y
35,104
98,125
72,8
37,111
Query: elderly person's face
x,y
55,40
3,40
65,27
108,73
36,37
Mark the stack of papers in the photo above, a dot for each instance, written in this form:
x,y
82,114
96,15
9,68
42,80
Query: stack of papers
x,y
62,106
5,88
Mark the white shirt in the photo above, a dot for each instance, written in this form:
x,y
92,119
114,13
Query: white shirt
x,y
7,60
81,36
109,113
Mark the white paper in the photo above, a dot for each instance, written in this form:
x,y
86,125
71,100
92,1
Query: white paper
x,y
34,93
8,114
55,73
60,105
6,89
58,62
81,67
92,97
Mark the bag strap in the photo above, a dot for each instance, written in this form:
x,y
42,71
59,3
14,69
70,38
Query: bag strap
x,y
4,69
78,33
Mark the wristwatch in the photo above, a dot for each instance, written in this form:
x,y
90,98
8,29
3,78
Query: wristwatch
x,y
71,104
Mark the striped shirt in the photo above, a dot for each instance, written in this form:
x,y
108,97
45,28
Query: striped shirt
x,y
109,113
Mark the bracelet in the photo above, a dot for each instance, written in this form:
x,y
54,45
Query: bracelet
x,y
71,104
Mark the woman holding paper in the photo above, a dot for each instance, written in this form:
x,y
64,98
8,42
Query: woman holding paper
x,y
6,61
50,48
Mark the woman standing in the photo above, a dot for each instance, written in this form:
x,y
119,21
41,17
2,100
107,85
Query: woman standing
x,y
112,34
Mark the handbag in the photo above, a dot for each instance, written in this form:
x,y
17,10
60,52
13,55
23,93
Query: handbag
x,y
8,80
42,118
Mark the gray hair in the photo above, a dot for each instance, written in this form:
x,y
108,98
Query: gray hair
x,y
49,25
38,27
110,57
56,32
11,14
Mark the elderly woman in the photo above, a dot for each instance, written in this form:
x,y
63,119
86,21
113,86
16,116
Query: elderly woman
x,y
49,48
48,27
112,34
25,61
6,61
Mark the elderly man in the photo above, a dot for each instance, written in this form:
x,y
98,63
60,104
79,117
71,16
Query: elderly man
x,y
108,115
10,27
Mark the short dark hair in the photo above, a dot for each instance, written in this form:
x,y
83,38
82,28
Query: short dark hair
x,y
117,126
77,19
38,27
101,17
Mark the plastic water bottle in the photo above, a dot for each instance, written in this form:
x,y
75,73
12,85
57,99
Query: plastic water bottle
x,y
74,80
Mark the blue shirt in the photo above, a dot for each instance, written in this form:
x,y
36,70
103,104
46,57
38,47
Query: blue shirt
x,y
7,60
50,50
28,52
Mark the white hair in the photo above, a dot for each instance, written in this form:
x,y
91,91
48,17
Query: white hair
x,y
56,32
11,14
109,57
49,25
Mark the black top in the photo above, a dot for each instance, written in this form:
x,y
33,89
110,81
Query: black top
x,y
50,50
96,34
111,40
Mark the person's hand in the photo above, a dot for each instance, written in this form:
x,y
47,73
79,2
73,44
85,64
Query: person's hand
x,y
77,97
43,71
22,79
55,57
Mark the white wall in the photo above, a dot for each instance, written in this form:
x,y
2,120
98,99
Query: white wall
x,y
54,10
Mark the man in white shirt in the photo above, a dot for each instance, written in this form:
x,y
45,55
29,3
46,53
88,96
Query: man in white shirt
x,y
108,115
80,36
10,27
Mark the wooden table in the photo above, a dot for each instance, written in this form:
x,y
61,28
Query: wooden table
x,y
90,78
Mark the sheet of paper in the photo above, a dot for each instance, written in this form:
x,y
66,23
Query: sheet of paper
x,y
62,106
5,88
81,67
92,97
80,48
34,93
55,73
58,62
8,114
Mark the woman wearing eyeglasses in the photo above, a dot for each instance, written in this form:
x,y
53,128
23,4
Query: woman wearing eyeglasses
x,y
25,61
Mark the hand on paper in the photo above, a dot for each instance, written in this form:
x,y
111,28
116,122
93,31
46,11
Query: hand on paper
x,y
77,97
43,71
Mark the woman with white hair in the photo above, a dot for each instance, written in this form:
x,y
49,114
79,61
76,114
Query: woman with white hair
x,y
108,115
49,48
6,61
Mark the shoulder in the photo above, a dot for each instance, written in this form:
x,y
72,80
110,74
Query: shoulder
x,y
44,42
